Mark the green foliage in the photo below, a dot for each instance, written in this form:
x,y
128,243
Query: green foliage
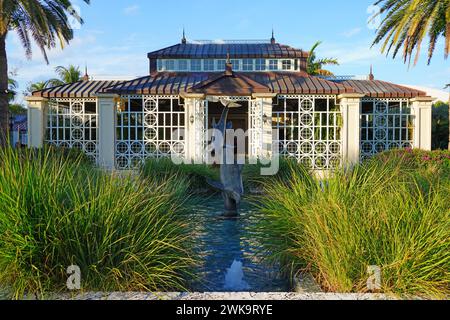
x,y
196,175
56,210
12,89
440,125
315,66
406,24
17,109
253,179
44,22
70,74
37,86
390,212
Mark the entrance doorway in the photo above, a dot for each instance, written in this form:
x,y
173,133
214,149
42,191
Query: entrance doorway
x,y
237,116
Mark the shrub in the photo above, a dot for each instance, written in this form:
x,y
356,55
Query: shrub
x,y
440,125
195,175
252,173
123,233
375,214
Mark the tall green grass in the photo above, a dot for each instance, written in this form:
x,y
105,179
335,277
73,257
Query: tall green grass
x,y
198,174
381,213
125,234
195,175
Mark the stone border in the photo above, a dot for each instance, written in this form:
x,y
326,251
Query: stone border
x,y
242,296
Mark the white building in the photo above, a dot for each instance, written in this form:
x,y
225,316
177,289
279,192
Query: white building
x,y
321,123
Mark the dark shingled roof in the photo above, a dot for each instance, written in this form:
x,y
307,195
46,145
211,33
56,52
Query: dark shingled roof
x,y
236,50
80,89
381,89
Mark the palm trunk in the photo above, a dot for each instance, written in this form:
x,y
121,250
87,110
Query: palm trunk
x,y
4,103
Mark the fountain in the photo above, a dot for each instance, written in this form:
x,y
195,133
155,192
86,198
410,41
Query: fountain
x,y
230,183
234,279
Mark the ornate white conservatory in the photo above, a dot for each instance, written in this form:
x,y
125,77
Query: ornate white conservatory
x,y
320,122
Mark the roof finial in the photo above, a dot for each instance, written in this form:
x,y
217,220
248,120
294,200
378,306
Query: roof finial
x,y
86,75
183,40
228,66
272,40
371,76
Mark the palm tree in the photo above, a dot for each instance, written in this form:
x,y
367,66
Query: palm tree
x,y
44,22
12,89
315,66
407,24
70,74
37,86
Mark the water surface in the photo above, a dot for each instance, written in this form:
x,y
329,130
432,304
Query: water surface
x,y
226,246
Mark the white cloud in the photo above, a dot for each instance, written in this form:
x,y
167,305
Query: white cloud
x,y
103,61
131,10
351,33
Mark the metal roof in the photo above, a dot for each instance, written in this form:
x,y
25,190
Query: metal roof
x,y
382,89
239,84
80,89
220,51
173,83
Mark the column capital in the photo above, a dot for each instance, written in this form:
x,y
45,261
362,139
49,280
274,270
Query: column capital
x,y
263,95
351,96
107,95
423,100
186,95
34,99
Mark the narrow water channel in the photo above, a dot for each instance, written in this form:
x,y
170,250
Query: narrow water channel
x,y
231,257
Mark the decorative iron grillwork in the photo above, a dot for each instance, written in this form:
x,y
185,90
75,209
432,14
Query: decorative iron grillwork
x,y
149,127
309,130
72,123
386,124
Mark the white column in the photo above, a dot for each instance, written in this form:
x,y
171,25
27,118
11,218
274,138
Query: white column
x,y
37,121
107,110
422,111
351,127
195,127
266,103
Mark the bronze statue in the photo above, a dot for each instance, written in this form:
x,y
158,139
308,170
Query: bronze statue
x,y
231,183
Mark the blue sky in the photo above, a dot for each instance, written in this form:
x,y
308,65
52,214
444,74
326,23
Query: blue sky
x,y
117,35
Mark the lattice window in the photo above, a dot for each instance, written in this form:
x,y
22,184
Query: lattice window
x,y
72,123
149,127
309,130
386,124
248,65
260,64
273,65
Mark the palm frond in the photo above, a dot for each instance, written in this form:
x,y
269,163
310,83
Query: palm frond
x,y
408,22
314,66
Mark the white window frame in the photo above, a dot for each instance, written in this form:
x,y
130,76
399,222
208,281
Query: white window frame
x,y
199,65
241,65
285,63
209,62
186,65
248,64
